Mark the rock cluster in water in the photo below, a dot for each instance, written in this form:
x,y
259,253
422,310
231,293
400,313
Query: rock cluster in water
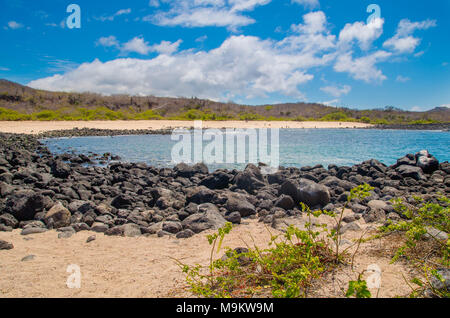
x,y
41,191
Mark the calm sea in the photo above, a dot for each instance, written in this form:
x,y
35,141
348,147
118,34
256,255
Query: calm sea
x,y
297,147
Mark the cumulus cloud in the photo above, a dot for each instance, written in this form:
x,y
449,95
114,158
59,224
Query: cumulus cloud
x,y
194,13
109,41
337,91
362,68
241,67
361,32
403,41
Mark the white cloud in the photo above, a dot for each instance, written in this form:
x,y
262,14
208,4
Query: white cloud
x,y
361,32
311,4
242,67
112,17
196,13
402,79
403,41
110,41
14,25
446,105
362,68
4,69
139,45
166,47
337,91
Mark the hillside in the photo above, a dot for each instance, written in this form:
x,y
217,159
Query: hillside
x,y
19,102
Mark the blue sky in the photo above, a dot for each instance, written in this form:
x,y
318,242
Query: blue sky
x,y
246,51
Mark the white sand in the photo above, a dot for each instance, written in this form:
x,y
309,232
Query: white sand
x,y
143,266
35,127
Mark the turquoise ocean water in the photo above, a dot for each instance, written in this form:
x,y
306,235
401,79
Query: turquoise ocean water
x,y
297,147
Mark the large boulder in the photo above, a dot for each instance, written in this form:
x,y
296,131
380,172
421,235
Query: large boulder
x,y
238,203
200,195
217,180
208,217
60,169
250,180
426,162
58,215
307,191
410,172
24,204
122,201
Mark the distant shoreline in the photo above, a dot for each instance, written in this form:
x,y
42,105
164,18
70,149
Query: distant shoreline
x,y
41,127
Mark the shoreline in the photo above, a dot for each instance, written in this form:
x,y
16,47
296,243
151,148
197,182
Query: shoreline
x,y
40,127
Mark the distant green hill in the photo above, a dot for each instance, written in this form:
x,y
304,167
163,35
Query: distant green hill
x,y
18,102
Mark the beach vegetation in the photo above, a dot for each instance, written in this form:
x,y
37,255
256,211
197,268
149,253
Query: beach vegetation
x,y
424,242
288,268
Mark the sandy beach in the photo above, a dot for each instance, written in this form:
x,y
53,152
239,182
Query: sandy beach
x,y
145,266
36,127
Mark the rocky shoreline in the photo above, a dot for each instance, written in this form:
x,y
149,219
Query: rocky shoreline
x,y
40,191
443,127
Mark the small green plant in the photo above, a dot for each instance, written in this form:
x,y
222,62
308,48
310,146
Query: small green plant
x,y
360,192
358,288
